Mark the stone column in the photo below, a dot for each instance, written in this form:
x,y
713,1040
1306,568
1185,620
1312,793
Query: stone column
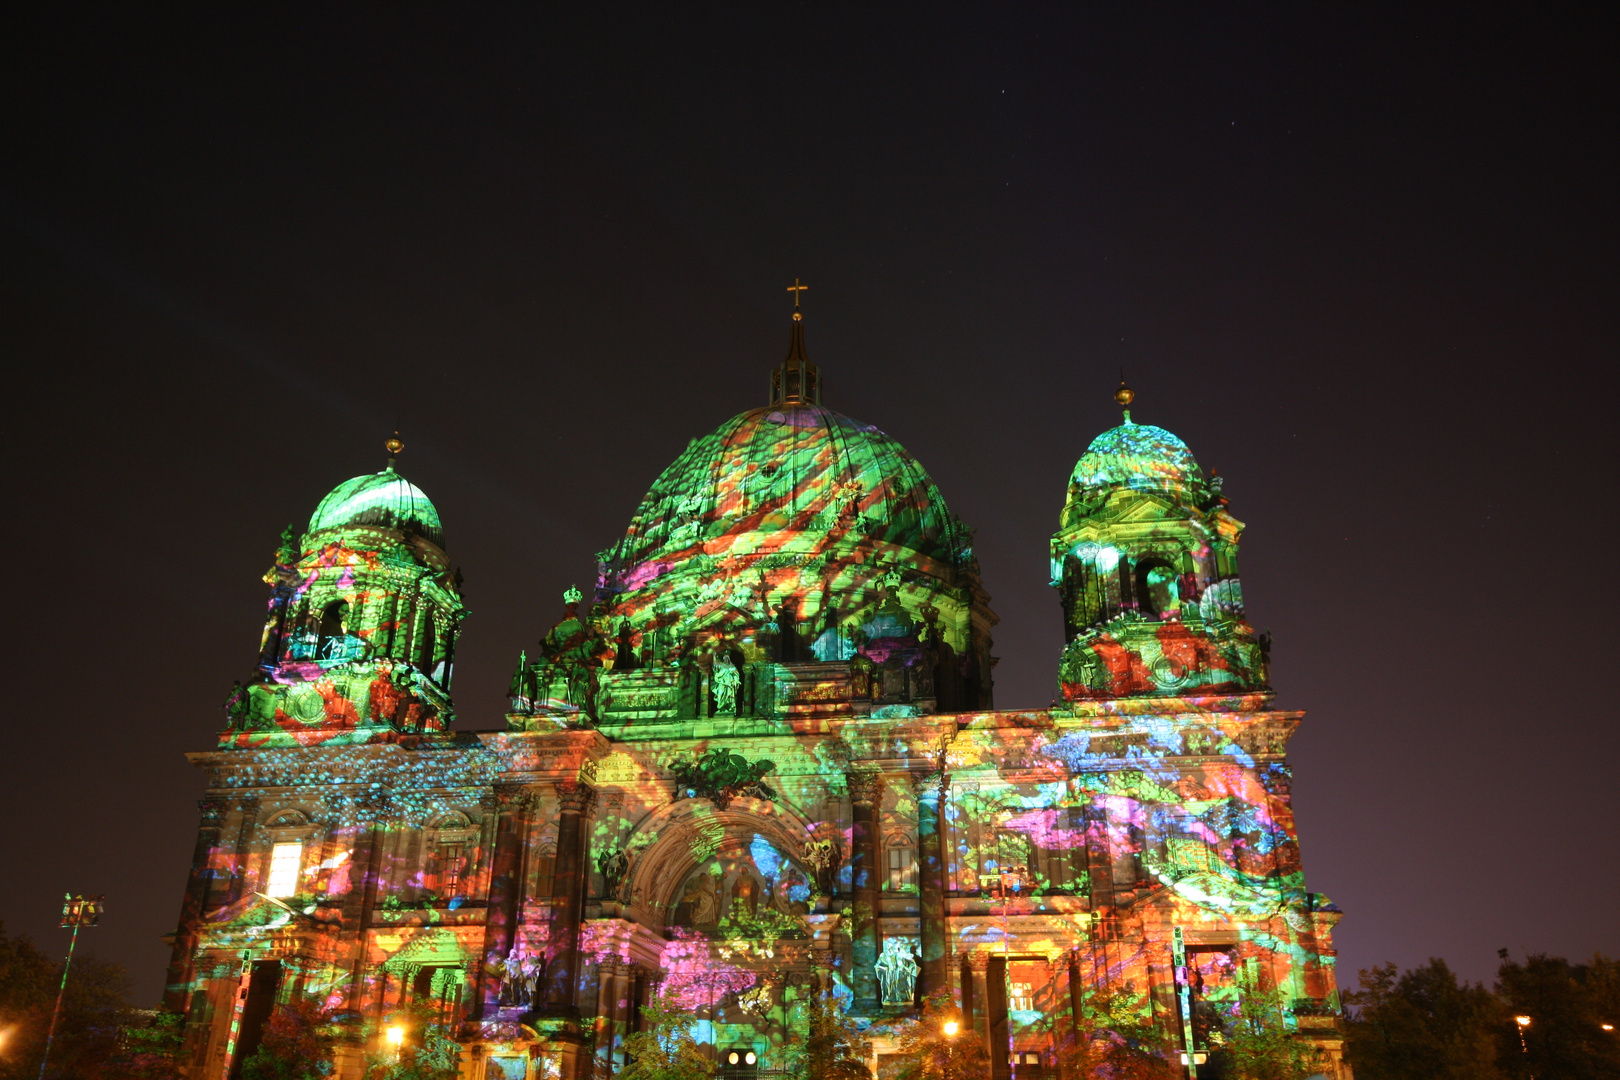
x,y
177,985
979,965
248,810
562,970
930,790
511,806
864,792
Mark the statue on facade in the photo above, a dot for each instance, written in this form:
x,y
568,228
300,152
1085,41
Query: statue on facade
x,y
823,857
612,864
897,971
726,681
236,705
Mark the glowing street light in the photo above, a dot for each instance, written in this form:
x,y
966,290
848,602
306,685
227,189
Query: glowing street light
x,y
396,1039
952,1027
77,911
1522,1021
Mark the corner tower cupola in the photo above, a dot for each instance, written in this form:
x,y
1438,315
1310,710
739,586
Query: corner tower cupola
x,y
1145,562
796,380
364,614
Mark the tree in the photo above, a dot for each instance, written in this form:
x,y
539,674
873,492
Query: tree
x,y
665,1049
831,1047
1115,1037
297,1043
94,1010
150,1048
931,1054
1423,1024
1567,1004
1258,1044
427,1052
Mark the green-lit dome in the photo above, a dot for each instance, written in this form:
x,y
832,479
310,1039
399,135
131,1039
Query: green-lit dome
x,y
789,469
1138,456
384,499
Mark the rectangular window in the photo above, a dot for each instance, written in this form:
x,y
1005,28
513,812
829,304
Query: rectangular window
x,y
449,869
899,868
285,862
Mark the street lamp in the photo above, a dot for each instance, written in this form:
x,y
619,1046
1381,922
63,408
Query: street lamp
x,y
1524,1048
396,1038
77,911
952,1027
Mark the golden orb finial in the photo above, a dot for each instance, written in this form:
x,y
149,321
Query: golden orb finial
x,y
1124,395
394,445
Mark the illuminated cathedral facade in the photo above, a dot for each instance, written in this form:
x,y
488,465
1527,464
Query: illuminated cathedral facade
x,y
759,761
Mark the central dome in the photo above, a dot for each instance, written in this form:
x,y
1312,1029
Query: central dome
x,y
772,478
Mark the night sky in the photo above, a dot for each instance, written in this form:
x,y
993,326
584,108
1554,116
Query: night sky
x,y
1363,262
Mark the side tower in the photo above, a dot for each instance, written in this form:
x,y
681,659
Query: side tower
x,y
1145,561
1197,907
362,624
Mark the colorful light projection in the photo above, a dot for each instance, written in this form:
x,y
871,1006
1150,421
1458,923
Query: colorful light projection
x,y
790,534
1145,560
363,617
746,777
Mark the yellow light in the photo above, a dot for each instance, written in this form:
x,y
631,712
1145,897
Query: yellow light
x,y
1522,1021
396,1034
951,1028
1606,1027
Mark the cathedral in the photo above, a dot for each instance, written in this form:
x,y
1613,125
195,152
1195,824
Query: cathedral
x,y
760,761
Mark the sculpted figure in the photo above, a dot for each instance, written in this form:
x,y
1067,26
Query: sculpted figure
x,y
726,680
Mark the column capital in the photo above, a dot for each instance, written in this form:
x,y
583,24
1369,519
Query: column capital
x,y
864,785
512,797
574,797
925,783
213,810
979,962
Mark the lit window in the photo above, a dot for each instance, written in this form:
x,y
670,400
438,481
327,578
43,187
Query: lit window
x,y
899,868
1021,997
285,862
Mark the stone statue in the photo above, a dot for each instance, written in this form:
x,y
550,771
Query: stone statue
x,y
612,863
236,704
822,856
726,681
897,971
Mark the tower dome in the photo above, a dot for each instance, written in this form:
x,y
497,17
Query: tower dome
x,y
1141,457
385,499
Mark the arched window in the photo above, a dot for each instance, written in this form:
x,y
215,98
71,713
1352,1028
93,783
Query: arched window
x,y
901,863
334,627
424,646
1158,588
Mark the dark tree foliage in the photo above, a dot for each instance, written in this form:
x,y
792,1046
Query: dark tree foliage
x,y
930,1054
149,1048
1115,1039
427,1052
296,1044
830,1047
94,1011
1423,1025
1567,1004
665,1048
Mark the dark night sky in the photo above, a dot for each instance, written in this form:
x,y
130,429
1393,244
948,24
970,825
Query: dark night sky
x,y
1364,262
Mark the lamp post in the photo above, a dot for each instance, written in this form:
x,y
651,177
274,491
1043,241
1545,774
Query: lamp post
x,y
77,911
396,1039
1524,1047
950,1028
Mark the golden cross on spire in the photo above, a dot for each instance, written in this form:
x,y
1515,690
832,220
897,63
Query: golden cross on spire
x,y
796,289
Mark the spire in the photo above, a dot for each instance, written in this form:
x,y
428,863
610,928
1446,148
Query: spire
x,y
1125,395
795,380
393,446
